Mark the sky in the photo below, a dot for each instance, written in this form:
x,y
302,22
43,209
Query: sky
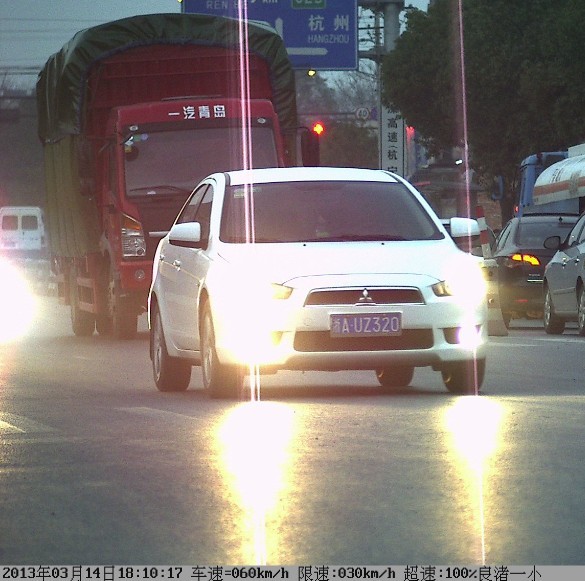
x,y
32,30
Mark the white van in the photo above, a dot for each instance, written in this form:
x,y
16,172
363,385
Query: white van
x,y
22,230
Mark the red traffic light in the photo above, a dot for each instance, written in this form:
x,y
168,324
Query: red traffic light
x,y
318,128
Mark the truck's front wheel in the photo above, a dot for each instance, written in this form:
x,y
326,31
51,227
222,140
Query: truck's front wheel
x,y
121,319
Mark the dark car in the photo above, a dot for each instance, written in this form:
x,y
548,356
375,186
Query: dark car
x,y
521,257
564,279
442,185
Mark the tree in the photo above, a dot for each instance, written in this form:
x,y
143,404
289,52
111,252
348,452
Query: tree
x,y
524,79
353,142
354,89
21,163
346,141
314,95
349,144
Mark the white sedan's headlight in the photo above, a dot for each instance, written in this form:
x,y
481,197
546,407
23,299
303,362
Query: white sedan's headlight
x,y
278,291
258,302
464,281
253,331
253,287
251,327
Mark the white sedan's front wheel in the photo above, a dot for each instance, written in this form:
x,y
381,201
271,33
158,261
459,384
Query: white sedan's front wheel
x,y
221,381
464,377
170,373
391,378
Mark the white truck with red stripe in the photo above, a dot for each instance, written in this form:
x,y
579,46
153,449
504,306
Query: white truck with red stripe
x,y
564,180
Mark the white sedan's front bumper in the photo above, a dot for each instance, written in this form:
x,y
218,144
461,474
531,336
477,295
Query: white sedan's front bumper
x,y
287,334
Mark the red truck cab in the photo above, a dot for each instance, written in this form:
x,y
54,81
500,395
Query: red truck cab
x,y
158,153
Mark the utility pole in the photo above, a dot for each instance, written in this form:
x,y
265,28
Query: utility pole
x,y
391,10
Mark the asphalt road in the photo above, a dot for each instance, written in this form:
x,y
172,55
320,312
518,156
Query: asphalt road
x,y
97,467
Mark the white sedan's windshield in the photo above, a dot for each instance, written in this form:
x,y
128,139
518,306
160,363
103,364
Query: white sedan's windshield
x,y
324,212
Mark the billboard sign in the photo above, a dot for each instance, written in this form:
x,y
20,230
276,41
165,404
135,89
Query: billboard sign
x,y
318,34
393,142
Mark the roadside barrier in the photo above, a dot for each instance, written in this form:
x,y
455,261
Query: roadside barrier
x,y
496,325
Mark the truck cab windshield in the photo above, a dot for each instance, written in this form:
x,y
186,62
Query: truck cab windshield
x,y
171,162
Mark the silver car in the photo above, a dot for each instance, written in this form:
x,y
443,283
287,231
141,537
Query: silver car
x,y
314,269
564,281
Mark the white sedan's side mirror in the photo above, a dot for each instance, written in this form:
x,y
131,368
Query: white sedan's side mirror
x,y
465,233
187,234
463,227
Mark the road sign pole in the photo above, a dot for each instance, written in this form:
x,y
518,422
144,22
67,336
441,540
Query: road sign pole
x,y
392,130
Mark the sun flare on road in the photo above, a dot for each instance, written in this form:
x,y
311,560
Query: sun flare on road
x,y
255,439
474,424
17,303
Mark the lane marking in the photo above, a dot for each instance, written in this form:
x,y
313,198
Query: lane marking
x,y
509,341
154,412
6,428
13,424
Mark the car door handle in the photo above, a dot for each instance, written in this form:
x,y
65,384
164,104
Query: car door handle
x,y
177,264
161,257
576,261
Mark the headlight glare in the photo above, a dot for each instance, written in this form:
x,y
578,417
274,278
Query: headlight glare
x,y
464,282
280,291
441,289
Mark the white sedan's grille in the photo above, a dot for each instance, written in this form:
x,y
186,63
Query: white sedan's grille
x,y
377,296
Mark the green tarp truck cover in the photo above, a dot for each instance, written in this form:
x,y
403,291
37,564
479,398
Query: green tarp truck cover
x,y
61,83
72,219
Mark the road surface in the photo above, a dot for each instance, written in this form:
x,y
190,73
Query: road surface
x,y
97,467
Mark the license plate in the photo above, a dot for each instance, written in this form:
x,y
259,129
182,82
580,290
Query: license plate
x,y
366,325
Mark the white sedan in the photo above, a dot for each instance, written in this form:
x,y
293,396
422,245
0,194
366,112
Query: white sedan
x,y
314,269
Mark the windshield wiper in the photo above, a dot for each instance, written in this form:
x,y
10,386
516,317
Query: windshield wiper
x,y
357,238
154,189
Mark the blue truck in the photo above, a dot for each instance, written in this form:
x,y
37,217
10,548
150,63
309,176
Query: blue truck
x,y
529,171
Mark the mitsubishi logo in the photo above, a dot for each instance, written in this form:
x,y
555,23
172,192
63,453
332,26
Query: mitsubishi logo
x,y
365,298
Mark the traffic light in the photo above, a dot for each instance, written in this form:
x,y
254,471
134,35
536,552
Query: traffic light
x,y
318,128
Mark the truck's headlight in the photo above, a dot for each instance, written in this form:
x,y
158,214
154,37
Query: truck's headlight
x,y
132,235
